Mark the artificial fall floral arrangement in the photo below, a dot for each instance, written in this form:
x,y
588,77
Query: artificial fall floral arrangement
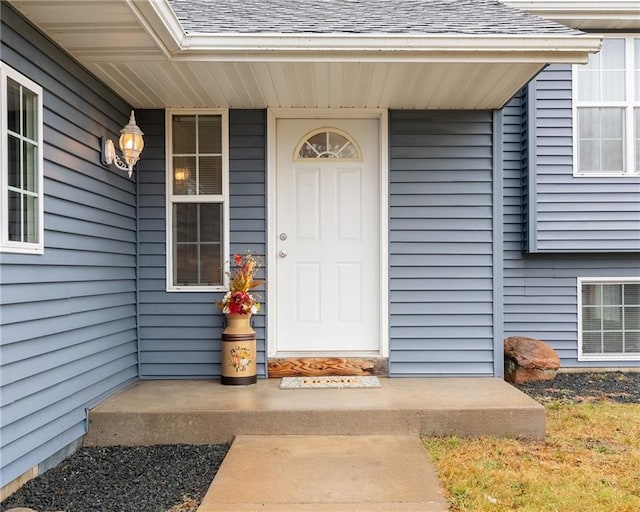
x,y
238,300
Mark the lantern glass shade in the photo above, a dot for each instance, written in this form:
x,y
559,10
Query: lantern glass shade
x,y
131,141
131,145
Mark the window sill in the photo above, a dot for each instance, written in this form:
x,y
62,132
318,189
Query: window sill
x,y
207,289
610,357
39,250
605,175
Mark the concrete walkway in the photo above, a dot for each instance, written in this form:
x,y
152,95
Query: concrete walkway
x,y
325,474
320,450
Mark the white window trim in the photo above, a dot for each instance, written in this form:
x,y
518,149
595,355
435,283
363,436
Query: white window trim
x,y
608,356
7,245
629,104
224,198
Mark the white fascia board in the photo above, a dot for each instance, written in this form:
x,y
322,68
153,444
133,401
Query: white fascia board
x,y
576,7
611,10
385,47
160,22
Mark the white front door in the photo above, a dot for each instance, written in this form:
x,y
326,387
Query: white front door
x,y
327,254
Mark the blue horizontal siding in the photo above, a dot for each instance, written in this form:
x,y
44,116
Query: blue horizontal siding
x,y
441,243
180,332
572,214
540,290
68,326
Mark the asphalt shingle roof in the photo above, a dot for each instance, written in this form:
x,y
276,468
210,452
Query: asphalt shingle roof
x,y
473,17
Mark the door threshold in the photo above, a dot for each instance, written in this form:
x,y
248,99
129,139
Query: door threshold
x,y
279,367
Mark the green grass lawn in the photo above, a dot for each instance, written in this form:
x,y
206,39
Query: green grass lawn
x,y
590,462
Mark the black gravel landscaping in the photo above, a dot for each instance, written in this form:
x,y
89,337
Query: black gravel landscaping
x,y
175,478
124,479
586,387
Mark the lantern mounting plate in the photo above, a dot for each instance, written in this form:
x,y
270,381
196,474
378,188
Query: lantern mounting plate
x,y
109,156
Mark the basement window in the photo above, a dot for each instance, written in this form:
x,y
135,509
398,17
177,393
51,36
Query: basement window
x,y
609,319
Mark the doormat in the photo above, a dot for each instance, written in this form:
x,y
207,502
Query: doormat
x,y
329,382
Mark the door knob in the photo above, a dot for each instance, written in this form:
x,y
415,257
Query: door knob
x,y
283,253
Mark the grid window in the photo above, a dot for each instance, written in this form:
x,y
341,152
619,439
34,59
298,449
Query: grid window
x,y
607,109
198,201
21,150
610,319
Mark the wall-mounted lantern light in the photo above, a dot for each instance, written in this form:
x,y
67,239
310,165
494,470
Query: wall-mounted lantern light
x,y
131,144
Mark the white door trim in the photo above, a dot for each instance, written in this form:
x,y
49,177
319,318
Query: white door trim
x,y
382,116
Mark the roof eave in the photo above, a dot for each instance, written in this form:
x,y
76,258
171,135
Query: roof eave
x,y
604,15
386,47
161,23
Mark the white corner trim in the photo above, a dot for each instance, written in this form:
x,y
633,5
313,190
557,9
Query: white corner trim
x,y
271,232
384,233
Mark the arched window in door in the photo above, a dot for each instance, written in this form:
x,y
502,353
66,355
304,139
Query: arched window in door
x,y
328,143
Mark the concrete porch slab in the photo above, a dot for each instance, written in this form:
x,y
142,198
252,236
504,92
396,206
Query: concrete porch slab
x,y
206,412
325,473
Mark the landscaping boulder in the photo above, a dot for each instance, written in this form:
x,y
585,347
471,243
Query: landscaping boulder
x,y
528,359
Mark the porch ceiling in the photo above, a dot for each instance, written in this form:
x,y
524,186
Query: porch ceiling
x,y
139,48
